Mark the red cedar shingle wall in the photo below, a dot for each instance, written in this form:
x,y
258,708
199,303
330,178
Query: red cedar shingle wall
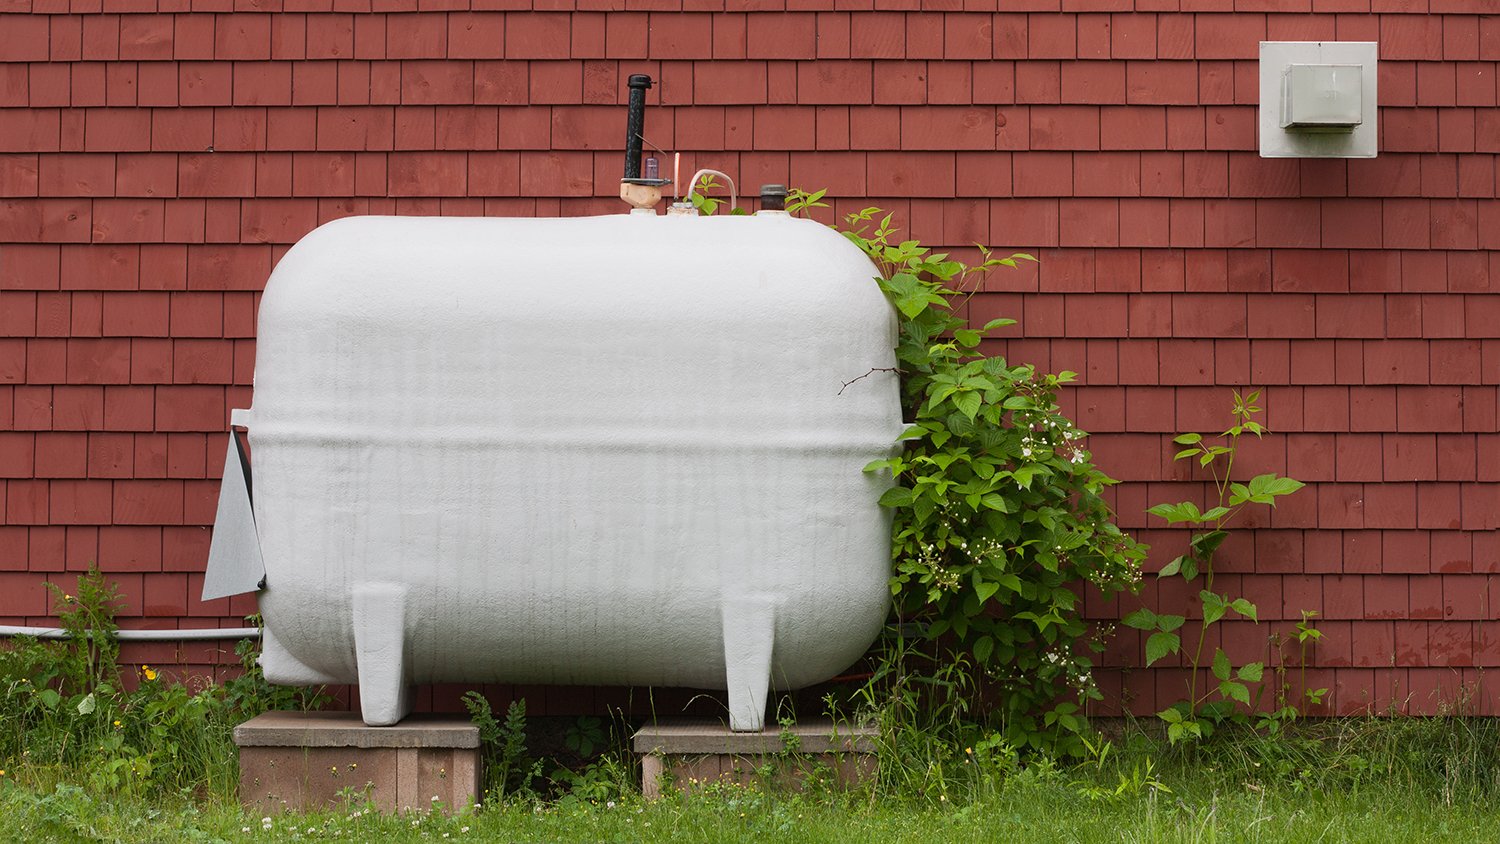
x,y
156,158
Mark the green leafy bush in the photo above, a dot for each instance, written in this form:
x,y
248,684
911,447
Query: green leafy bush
x,y
999,517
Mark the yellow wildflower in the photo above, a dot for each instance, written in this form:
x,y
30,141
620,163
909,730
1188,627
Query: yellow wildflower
x,y
117,722
147,671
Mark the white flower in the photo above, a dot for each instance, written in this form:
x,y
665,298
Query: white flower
x,y
244,829
609,805
463,829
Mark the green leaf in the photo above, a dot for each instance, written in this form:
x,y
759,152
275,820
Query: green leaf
x,y
1213,607
995,502
967,337
943,460
1161,644
1216,711
983,648
1244,608
914,432
1170,715
998,323
1235,691
1189,568
1252,671
1188,439
968,403
1010,581
1215,514
1263,489
1171,568
50,698
1273,485
922,508
877,465
1185,511
1221,664
1205,544
1141,619
985,589
911,295
897,496
1168,623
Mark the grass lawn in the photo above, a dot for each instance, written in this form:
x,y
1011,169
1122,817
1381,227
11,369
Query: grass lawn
x,y
1367,780
1029,811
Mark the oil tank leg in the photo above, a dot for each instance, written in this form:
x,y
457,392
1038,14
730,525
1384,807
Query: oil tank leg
x,y
379,650
749,637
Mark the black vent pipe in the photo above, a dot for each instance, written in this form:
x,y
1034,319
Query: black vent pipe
x,y
635,124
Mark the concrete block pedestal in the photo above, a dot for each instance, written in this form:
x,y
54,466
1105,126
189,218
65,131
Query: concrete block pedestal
x,y
294,761
684,754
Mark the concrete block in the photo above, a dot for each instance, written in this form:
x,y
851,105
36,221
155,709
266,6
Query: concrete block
x,y
688,754
295,761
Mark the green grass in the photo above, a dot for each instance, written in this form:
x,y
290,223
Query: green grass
x,y
1021,811
1403,779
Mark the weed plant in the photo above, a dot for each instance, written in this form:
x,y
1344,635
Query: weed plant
x,y
68,715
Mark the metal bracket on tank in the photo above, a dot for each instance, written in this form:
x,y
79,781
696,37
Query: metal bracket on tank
x,y
235,564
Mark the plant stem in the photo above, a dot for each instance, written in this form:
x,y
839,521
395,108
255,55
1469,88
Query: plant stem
x,y
1220,486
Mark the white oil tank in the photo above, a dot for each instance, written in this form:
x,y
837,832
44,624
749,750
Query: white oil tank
x,y
620,450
